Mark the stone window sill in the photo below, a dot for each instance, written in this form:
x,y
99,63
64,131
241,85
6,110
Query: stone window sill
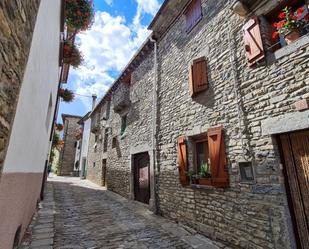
x,y
198,186
289,49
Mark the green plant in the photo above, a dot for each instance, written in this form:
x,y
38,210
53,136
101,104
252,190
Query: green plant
x,y
190,173
289,21
56,140
71,54
66,95
79,14
204,170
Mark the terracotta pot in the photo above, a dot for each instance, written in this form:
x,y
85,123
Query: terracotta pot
x,y
292,36
204,181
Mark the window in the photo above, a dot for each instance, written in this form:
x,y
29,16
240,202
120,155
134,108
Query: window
x,y
75,144
93,165
105,144
274,17
198,76
209,160
259,31
123,124
49,112
193,14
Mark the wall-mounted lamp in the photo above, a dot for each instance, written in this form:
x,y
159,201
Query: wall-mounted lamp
x,y
240,9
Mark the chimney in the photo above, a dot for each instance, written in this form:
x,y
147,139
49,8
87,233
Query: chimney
x,y
94,98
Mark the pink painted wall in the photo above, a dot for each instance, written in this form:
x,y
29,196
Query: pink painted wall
x,y
20,192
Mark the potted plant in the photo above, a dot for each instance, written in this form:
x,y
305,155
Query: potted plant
x,y
190,175
59,127
289,24
71,54
66,95
79,14
205,176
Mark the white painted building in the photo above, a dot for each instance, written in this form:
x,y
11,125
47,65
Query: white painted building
x,y
86,121
29,144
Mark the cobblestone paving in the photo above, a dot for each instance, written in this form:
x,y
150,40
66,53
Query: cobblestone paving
x,y
88,216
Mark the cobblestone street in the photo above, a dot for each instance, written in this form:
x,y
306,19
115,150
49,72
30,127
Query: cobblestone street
x,y
78,214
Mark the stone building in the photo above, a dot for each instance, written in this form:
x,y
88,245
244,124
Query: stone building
x,y
221,110
67,164
232,109
29,78
121,142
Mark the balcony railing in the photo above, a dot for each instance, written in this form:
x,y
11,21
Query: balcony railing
x,y
121,97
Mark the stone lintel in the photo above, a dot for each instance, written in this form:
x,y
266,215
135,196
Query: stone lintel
x,y
286,123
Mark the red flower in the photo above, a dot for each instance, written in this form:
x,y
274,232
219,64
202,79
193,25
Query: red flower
x,y
280,24
275,35
281,15
295,18
300,11
275,24
79,13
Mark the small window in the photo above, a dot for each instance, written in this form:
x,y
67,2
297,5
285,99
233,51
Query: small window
x,y
193,14
75,144
93,164
105,144
49,112
201,164
198,76
114,142
123,124
96,138
298,10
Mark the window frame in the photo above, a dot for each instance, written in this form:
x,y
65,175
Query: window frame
x,y
202,138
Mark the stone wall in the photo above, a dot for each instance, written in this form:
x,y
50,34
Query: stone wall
x,y
67,157
245,215
17,20
138,133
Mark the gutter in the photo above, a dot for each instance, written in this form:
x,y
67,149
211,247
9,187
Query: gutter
x,y
154,121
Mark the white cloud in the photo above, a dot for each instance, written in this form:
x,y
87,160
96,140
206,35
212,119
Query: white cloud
x,y
109,2
108,46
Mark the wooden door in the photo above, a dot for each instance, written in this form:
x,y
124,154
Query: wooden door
x,y
104,172
295,149
141,177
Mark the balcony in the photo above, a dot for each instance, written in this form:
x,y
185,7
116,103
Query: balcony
x,y
121,97
95,123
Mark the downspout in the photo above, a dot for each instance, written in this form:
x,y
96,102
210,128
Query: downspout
x,y
154,121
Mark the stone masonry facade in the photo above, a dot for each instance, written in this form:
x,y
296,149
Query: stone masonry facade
x,y
67,155
245,215
252,103
17,20
120,147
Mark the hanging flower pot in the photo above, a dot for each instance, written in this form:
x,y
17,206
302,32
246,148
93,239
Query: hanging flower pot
x,y
66,95
79,14
59,127
71,54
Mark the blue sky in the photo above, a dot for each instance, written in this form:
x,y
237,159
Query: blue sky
x,y
119,28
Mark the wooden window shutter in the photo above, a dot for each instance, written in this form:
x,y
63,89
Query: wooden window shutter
x,y
253,41
217,157
183,161
198,76
193,14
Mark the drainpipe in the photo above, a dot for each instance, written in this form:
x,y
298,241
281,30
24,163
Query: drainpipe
x,y
154,122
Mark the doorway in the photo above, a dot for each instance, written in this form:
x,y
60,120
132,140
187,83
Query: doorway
x,y
141,177
295,155
104,172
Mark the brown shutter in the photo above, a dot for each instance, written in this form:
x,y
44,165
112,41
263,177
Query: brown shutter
x,y
198,76
183,161
193,14
253,41
217,157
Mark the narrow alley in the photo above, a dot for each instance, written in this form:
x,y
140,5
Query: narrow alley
x,y
78,214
